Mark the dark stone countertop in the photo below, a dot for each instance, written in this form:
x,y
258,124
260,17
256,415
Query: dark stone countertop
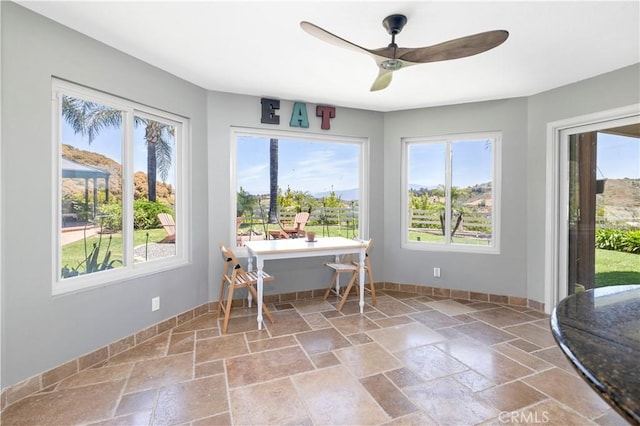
x,y
599,331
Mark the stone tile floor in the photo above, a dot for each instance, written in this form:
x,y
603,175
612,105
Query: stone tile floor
x,y
411,360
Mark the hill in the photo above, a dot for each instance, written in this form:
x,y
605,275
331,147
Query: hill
x,y
164,192
620,200
621,192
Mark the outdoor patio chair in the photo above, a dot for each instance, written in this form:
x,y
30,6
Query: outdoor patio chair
x,y
349,264
169,225
296,231
235,277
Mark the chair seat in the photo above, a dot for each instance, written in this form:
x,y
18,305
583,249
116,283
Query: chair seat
x,y
253,278
347,264
277,234
341,266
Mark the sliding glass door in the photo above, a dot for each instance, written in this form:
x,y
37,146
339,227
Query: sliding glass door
x,y
603,206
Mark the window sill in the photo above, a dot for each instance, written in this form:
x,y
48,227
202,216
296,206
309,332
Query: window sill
x,y
114,276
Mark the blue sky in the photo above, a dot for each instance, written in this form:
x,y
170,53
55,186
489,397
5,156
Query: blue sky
x,y
306,166
618,157
471,164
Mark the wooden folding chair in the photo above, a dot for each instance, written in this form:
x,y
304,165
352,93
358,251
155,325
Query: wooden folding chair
x,y
350,265
235,277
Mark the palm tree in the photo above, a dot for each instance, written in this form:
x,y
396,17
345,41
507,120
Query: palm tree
x,y
273,181
90,118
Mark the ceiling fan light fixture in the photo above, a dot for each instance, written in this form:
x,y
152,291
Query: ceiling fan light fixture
x,y
391,64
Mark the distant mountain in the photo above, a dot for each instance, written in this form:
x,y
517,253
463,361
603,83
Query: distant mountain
x,y
416,187
345,195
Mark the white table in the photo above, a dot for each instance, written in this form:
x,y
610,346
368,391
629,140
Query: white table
x,y
299,247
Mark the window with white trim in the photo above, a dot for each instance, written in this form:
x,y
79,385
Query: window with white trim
x,y
276,175
451,192
119,188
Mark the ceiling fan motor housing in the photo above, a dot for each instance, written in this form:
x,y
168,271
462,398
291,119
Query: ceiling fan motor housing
x,y
394,23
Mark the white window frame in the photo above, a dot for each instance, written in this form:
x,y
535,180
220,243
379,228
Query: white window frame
x,y
363,178
494,246
129,269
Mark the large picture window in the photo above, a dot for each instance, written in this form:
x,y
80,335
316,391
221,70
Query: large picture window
x,y
119,191
279,175
451,192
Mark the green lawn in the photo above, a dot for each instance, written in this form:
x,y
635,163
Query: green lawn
x,y
616,267
74,253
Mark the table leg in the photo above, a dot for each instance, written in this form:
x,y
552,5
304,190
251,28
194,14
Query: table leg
x,y
337,285
249,269
362,262
260,265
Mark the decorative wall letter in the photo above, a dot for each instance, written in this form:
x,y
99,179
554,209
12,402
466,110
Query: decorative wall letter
x,y
326,112
269,107
299,116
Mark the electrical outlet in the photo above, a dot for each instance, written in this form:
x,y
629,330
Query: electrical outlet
x,y
155,303
436,272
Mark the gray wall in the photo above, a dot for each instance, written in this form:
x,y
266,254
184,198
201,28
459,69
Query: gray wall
x,y
605,92
502,273
519,269
41,331
226,110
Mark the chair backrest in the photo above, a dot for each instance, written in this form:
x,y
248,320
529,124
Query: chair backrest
x,y
301,220
233,270
167,222
369,244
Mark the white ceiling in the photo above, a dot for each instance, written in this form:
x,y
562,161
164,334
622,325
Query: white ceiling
x,y
258,48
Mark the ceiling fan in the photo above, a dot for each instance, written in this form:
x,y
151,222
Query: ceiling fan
x,y
393,58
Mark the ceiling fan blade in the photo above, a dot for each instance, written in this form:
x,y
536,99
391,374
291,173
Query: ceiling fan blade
x,y
382,81
328,37
452,49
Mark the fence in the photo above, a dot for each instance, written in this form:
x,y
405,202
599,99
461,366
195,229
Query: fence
x,y
345,216
328,217
475,224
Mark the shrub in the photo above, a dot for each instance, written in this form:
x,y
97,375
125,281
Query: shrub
x,y
625,240
111,217
145,214
631,243
75,203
